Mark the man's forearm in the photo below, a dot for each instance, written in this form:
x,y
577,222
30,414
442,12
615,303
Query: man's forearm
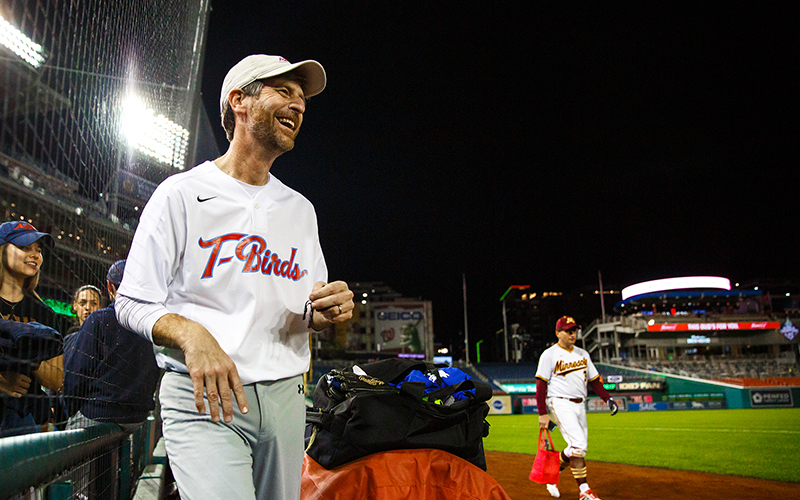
x,y
597,387
174,331
211,369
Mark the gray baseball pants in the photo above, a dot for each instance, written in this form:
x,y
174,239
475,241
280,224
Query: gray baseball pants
x,y
256,456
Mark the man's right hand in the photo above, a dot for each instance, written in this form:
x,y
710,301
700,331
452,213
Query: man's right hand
x,y
213,372
14,384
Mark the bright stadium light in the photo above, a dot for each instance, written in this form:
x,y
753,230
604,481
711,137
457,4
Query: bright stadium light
x,y
154,135
21,45
676,284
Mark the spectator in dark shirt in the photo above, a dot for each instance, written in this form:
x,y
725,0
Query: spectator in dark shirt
x,y
110,372
24,407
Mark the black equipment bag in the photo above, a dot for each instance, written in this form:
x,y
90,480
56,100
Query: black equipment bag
x,y
359,412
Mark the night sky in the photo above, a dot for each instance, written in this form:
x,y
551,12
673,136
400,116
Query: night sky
x,y
529,146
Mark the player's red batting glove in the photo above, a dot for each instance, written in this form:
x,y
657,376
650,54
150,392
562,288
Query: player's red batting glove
x,y
614,406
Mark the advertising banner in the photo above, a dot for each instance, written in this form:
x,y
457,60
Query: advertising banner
x,y
519,388
678,405
763,398
698,405
528,405
643,385
400,327
700,327
597,405
697,396
639,398
500,405
648,406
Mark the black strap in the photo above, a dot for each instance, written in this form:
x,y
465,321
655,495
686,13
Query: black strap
x,y
325,419
394,370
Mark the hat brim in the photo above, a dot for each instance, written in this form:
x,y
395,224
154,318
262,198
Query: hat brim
x,y
312,73
26,239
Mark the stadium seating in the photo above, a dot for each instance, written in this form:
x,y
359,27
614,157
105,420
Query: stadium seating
x,y
477,374
750,368
509,372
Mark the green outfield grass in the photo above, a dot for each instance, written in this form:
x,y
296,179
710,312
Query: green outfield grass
x,y
759,443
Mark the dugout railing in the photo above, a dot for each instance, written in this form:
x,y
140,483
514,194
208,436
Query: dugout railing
x,y
100,462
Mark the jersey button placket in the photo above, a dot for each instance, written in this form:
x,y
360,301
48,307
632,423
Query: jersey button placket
x,y
258,214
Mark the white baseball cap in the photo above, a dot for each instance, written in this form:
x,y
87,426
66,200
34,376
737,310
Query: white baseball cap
x,y
258,66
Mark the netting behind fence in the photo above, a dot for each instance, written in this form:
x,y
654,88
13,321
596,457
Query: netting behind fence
x,y
99,119
99,102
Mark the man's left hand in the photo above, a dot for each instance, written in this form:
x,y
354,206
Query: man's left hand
x,y
331,303
544,421
614,407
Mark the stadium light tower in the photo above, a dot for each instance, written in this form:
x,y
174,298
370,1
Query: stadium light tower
x,y
16,41
153,135
505,321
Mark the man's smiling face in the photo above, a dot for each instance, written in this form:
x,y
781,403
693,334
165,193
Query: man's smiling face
x,y
275,116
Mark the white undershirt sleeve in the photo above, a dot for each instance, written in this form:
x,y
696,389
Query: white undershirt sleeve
x,y
137,315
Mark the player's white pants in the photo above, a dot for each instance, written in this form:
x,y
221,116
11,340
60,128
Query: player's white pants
x,y
571,419
256,456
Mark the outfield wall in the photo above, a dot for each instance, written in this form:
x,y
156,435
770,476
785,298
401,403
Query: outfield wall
x,y
682,392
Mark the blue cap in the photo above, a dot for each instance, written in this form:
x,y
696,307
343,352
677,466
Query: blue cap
x,y
22,234
115,272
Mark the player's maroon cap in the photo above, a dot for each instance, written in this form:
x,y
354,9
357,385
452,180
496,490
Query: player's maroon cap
x,y
566,323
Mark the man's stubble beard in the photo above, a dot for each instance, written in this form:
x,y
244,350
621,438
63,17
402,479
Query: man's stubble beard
x,y
265,130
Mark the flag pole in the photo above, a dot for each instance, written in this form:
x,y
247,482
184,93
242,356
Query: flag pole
x,y
602,297
466,328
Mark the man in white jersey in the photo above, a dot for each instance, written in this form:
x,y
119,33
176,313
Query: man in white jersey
x,y
224,262
562,377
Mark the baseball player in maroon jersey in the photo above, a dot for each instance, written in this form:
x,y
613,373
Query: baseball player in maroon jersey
x,y
562,377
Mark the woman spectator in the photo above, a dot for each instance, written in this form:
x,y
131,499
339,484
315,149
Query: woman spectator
x,y
86,300
23,405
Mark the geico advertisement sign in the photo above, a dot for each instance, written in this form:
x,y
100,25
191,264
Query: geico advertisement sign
x,y
400,328
400,315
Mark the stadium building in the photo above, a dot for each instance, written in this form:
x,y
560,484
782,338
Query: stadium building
x,y
701,327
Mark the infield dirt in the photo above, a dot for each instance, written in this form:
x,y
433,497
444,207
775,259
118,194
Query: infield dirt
x,y
629,482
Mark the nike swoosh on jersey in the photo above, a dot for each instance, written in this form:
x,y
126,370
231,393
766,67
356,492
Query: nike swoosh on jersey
x,y
201,200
